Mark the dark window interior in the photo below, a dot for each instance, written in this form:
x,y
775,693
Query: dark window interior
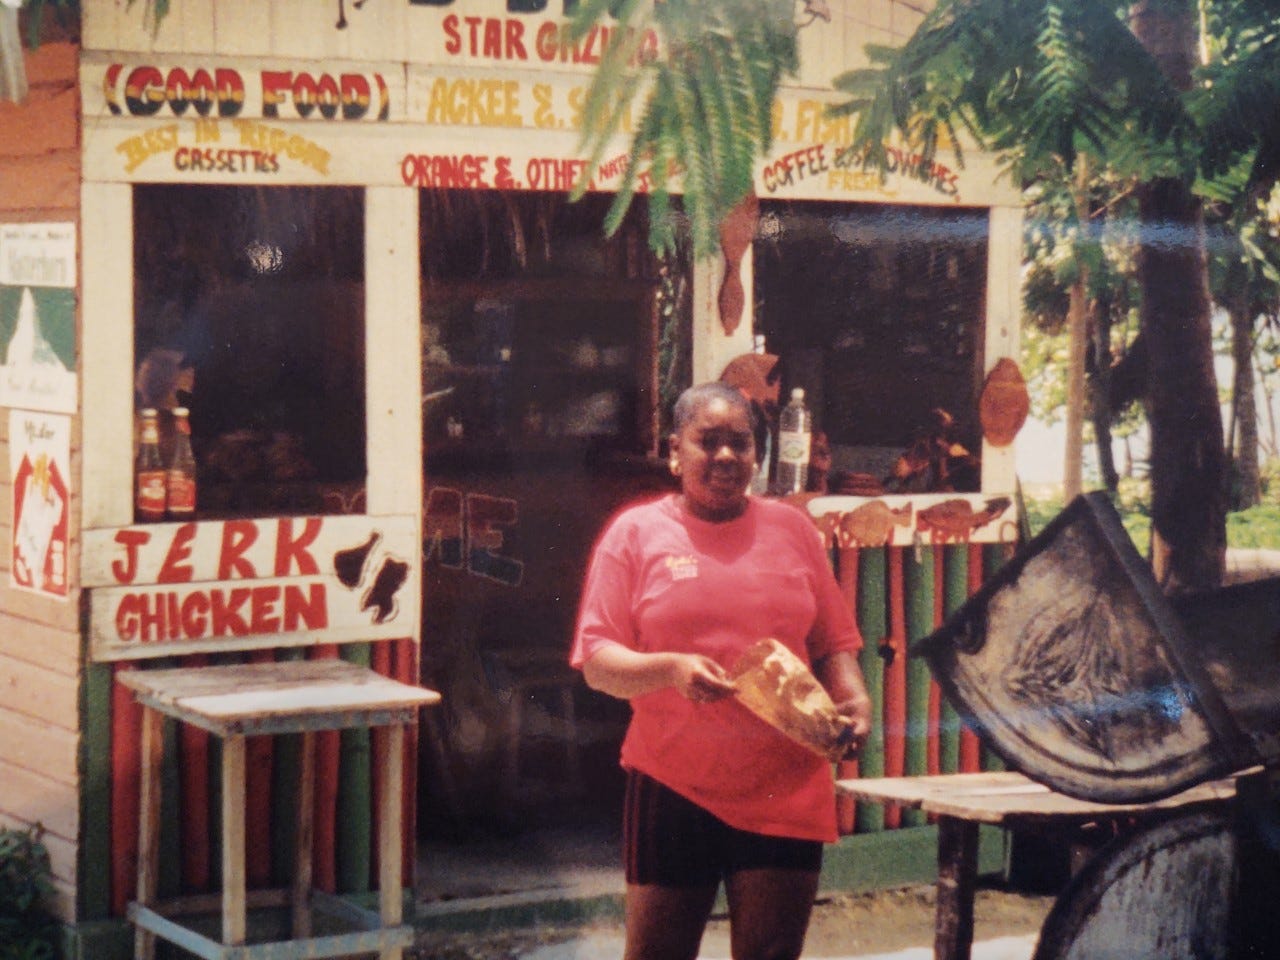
x,y
249,309
877,311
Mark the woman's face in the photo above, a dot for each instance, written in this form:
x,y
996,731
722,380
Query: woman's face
x,y
715,456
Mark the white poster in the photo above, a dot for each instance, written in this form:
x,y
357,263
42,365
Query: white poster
x,y
38,316
39,465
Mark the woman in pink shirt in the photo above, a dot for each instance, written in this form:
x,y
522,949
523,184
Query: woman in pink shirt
x,y
676,590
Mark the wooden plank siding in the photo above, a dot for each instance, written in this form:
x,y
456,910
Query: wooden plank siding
x,y
40,660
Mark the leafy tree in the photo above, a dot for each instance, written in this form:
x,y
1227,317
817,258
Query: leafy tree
x,y
706,103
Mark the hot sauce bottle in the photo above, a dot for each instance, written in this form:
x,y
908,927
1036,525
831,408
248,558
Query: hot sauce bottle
x,y
149,472
181,475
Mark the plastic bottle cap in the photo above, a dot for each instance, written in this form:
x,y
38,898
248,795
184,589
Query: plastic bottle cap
x,y
180,411
797,393
148,412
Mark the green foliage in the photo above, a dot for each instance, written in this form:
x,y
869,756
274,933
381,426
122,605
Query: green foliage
x,y
705,103
1037,81
1255,528
27,930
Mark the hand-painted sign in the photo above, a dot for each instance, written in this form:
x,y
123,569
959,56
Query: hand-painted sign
x,y
238,584
229,89
522,38
39,465
37,316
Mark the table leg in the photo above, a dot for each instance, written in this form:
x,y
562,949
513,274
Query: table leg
x,y
233,840
149,823
957,877
302,873
390,827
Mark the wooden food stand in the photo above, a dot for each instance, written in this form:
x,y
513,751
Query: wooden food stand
x,y
418,382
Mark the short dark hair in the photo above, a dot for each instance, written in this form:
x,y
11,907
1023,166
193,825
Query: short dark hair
x,y
700,394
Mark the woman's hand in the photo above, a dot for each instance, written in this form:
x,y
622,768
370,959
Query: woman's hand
x,y
840,675
857,710
624,673
700,678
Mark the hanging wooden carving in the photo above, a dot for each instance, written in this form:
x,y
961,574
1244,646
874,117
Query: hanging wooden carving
x,y
1004,403
736,231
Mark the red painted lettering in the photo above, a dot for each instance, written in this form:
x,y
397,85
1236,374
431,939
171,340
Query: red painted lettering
x,y
262,610
225,615
290,552
131,540
275,83
174,570
195,610
237,537
127,616
144,91
453,40
305,611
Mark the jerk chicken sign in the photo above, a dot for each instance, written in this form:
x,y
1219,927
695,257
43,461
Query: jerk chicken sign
x,y
161,589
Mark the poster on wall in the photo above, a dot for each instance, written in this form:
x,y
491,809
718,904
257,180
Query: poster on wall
x,y
40,462
38,316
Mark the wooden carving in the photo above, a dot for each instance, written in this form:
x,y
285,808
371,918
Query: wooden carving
x,y
1004,404
736,231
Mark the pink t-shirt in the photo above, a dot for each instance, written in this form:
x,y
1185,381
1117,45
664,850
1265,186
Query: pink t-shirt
x,y
660,579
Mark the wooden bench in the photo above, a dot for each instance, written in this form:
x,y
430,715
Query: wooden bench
x,y
233,702
963,801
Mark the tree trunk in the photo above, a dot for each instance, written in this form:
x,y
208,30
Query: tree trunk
x,y
1073,455
1247,487
1188,495
1100,391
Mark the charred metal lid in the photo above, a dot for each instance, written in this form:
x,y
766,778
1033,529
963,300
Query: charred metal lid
x,y
1078,672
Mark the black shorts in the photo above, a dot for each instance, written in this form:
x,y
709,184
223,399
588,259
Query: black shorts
x,y
670,841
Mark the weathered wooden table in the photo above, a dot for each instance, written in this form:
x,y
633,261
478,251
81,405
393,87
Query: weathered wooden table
x,y
963,801
233,702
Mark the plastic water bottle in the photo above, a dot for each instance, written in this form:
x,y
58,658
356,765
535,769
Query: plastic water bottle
x,y
795,431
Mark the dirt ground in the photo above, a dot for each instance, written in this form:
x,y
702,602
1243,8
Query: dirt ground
x,y
842,925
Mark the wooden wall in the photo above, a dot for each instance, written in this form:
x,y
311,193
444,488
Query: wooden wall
x,y
39,636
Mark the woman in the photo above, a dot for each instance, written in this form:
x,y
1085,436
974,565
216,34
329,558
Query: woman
x,y
676,590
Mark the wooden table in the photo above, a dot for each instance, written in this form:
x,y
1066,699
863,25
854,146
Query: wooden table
x,y
233,702
962,802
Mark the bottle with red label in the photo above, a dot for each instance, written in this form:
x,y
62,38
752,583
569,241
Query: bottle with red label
x,y
181,475
148,471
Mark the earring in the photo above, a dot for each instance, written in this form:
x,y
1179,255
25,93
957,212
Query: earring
x,y
675,468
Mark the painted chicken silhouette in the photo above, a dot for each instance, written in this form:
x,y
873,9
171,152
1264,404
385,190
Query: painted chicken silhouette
x,y
349,564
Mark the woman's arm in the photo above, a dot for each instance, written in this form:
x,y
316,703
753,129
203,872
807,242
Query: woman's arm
x,y
840,675
625,673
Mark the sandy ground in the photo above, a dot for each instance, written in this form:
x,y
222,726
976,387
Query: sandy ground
x,y
845,925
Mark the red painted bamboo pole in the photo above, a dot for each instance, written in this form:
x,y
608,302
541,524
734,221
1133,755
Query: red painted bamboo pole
x,y
258,758
194,772
895,682
325,845
126,740
380,662
405,656
970,747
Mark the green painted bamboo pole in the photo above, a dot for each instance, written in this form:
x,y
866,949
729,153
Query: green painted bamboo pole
x,y
873,621
286,767
354,829
993,558
955,573
93,889
919,602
